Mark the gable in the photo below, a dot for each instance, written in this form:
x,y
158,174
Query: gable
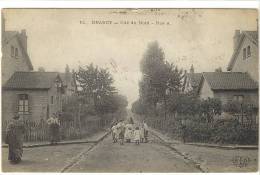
x,y
11,39
252,37
205,90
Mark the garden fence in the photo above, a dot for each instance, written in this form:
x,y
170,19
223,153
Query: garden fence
x,y
39,130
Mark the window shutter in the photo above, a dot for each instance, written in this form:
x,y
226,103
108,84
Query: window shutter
x,y
30,103
16,107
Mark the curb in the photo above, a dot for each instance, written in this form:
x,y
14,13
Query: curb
x,y
228,147
223,147
61,143
191,161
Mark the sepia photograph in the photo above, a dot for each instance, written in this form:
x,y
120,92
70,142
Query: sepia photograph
x,y
129,90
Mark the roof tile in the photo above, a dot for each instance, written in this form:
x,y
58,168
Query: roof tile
x,y
230,81
31,80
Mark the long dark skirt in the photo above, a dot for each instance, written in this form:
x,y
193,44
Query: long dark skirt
x,y
146,136
15,153
54,133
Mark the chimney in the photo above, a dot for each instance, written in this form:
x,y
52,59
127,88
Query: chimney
x,y
257,24
67,75
23,38
3,23
192,69
3,28
236,38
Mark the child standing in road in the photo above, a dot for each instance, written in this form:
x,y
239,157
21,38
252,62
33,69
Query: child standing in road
x,y
113,131
137,136
142,132
121,135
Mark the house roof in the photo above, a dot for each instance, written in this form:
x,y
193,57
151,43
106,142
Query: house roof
x,y
31,80
230,81
9,35
252,36
194,78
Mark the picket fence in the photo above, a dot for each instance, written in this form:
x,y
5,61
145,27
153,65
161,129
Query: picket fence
x,y
39,130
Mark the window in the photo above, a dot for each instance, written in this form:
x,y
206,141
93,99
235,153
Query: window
x,y
23,105
239,98
244,53
12,51
16,52
248,51
52,100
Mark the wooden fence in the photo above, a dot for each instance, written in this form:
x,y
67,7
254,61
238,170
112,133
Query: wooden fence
x,y
39,131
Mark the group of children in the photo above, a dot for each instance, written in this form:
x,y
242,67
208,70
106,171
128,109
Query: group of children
x,y
128,132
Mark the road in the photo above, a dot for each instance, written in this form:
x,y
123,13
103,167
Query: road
x,y
103,157
146,157
44,159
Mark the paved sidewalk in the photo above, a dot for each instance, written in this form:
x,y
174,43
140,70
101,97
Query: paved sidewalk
x,y
89,139
216,158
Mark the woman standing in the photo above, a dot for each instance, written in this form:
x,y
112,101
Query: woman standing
x,y
145,132
121,135
54,125
14,138
142,133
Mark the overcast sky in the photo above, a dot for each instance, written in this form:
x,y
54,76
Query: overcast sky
x,y
200,37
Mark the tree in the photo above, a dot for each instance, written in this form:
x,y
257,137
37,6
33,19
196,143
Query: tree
x,y
96,84
67,69
112,103
152,67
159,77
41,69
138,107
218,69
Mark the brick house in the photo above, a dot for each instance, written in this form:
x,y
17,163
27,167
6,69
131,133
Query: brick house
x,y
229,86
32,95
241,82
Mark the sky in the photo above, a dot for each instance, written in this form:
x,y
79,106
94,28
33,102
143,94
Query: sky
x,y
117,38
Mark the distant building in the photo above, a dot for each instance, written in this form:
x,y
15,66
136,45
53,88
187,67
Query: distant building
x,y
14,54
229,86
32,95
245,57
69,82
191,81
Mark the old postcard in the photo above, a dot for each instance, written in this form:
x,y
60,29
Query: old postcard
x,y
130,90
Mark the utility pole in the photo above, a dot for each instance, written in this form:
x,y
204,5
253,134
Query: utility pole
x,y
165,107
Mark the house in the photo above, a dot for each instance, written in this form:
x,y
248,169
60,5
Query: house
x,y
191,81
228,86
14,54
245,57
32,95
69,82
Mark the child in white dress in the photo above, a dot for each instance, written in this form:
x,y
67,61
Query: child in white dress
x,y
137,136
